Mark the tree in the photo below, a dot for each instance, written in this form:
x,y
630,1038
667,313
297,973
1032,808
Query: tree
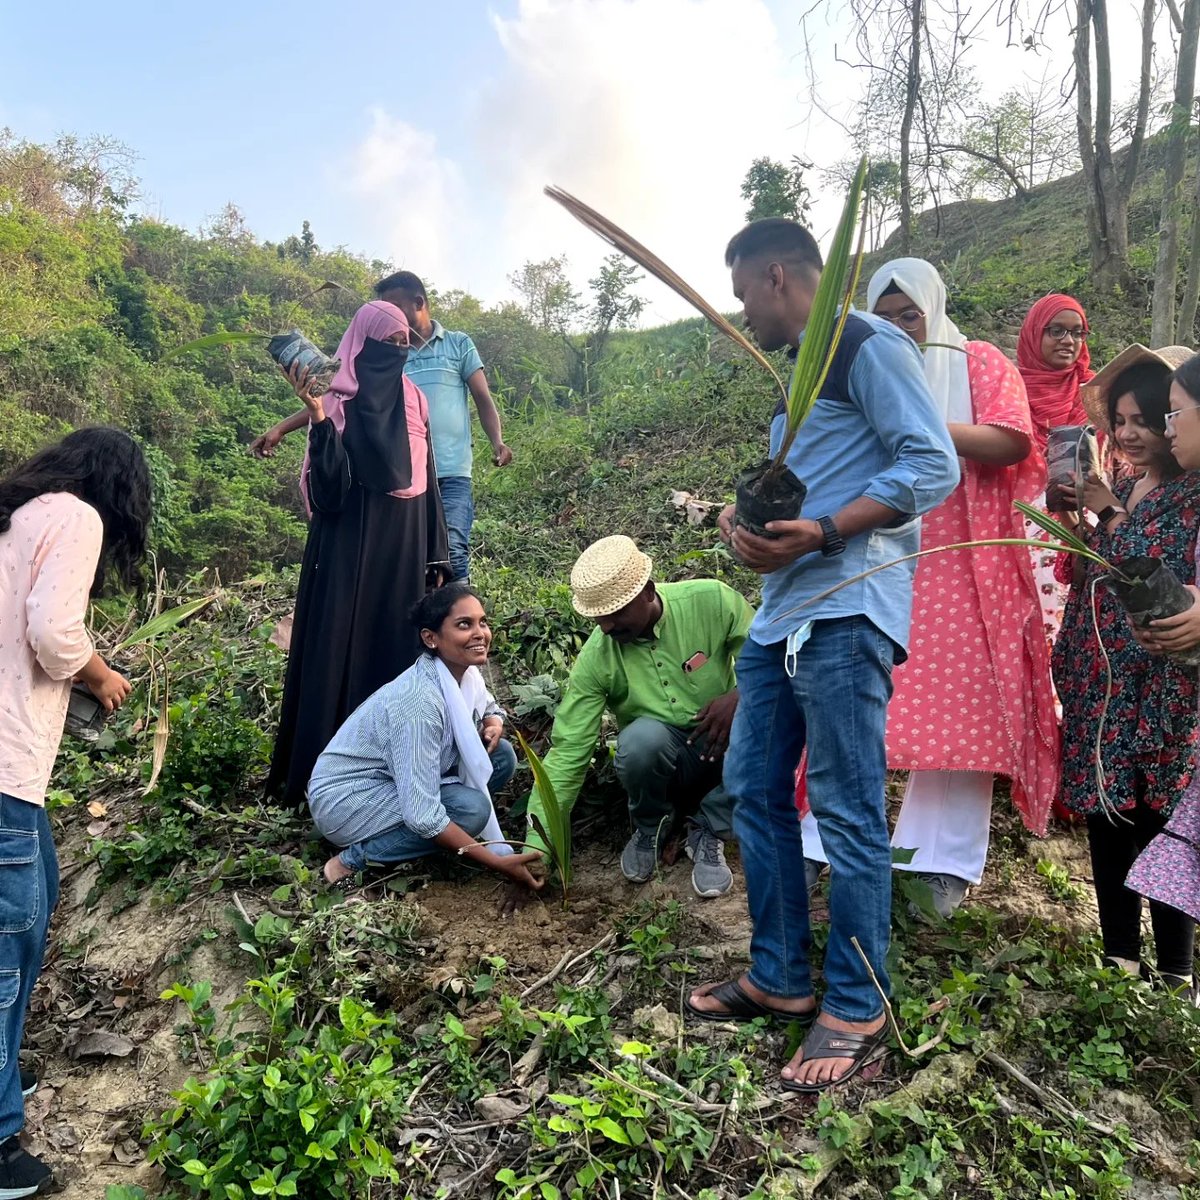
x,y
776,190
1013,145
1162,312
1108,190
549,300
614,305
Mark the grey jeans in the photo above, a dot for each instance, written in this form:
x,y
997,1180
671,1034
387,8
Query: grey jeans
x,y
664,776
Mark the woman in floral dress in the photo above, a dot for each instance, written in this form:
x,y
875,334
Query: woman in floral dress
x,y
1147,726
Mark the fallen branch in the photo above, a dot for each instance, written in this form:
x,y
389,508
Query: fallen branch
x,y
565,963
1059,1104
940,1005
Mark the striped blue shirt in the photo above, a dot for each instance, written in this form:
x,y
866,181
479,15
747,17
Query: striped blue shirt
x,y
386,765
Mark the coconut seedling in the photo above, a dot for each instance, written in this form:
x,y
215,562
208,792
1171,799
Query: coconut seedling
x,y
770,491
289,349
555,830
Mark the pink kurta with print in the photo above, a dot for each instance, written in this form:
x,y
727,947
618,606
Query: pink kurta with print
x,y
975,693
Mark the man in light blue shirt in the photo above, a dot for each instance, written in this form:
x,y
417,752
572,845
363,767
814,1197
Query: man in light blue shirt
x,y
445,365
815,671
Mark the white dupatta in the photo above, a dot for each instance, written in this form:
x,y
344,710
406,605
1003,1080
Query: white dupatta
x,y
465,704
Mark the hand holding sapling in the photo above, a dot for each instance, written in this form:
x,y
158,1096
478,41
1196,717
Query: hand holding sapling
x,y
303,385
1168,635
790,540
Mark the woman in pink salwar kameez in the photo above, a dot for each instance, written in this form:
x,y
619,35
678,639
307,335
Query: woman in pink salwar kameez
x,y
974,699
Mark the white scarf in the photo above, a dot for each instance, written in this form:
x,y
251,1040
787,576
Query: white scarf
x,y
465,704
945,370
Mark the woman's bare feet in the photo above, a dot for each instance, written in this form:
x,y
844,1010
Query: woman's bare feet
x,y
335,869
702,1000
827,1071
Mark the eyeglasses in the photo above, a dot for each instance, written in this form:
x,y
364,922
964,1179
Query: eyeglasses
x,y
1060,333
908,320
1170,418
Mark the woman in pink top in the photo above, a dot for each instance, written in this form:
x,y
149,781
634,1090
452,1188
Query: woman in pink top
x,y
68,517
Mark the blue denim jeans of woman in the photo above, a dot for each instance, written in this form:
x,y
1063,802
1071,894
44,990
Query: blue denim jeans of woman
x,y
28,894
835,702
458,507
467,807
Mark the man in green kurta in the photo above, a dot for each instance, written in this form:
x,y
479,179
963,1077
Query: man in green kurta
x,y
661,660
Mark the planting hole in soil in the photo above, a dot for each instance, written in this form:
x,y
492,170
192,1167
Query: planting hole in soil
x,y
765,494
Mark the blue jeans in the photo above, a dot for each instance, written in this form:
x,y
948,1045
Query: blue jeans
x,y
28,894
468,808
458,507
835,702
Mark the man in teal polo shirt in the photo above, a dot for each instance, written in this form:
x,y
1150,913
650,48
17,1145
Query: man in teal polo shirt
x,y
661,661
445,365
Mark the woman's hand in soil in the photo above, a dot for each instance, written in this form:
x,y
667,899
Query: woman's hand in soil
x,y
1170,634
302,384
516,867
490,731
793,540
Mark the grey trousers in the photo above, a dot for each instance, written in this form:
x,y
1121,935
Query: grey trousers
x,y
664,776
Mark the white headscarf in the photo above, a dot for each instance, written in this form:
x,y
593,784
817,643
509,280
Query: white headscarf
x,y
945,370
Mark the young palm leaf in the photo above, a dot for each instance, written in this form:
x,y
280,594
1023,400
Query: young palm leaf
x,y
555,831
830,310
226,337
164,622
648,260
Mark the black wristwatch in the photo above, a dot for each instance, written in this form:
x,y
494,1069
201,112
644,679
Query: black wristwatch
x,y
1113,510
834,543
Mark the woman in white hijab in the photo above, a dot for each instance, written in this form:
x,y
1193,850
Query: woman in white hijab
x,y
974,698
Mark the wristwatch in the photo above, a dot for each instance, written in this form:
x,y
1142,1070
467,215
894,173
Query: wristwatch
x,y
834,543
1113,510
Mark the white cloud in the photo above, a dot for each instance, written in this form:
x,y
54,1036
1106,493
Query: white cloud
x,y
413,198
651,111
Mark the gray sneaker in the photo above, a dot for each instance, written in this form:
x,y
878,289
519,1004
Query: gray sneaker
x,y
639,859
948,891
710,875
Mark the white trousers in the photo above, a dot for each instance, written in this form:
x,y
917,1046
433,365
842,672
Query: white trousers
x,y
946,818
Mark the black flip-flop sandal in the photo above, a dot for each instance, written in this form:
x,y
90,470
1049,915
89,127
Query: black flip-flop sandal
x,y
862,1049
739,1005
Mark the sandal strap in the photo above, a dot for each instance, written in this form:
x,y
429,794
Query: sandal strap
x,y
823,1042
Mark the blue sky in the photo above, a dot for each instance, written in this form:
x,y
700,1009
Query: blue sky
x,y
423,133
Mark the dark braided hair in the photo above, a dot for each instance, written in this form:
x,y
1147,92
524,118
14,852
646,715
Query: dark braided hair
x,y
105,468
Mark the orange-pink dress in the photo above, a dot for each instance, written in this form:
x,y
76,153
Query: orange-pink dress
x,y
975,693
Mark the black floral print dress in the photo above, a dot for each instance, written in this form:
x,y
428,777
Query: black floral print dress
x,y
1150,730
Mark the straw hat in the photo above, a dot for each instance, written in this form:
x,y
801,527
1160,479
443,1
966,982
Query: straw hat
x,y
1094,394
608,575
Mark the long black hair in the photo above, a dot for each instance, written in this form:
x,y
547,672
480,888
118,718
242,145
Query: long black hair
x,y
105,468
1188,377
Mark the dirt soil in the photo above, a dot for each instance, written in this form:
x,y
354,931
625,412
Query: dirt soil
x,y
105,1044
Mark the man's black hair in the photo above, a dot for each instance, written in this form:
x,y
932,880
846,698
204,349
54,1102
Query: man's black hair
x,y
402,281
776,238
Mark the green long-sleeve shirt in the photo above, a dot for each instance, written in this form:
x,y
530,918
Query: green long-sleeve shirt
x,y
701,617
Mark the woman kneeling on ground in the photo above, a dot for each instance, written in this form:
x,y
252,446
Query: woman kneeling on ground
x,y
415,765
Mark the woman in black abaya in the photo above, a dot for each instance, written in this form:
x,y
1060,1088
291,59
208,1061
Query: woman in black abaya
x,y
377,540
